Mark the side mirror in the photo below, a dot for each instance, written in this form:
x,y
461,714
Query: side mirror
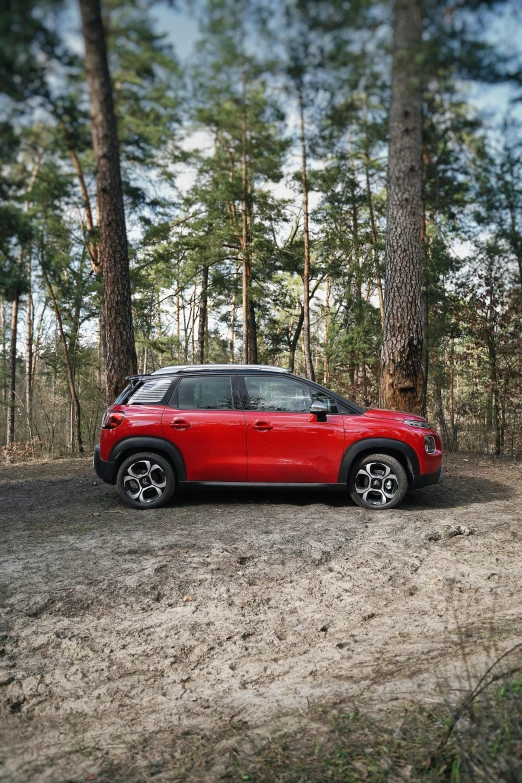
x,y
320,409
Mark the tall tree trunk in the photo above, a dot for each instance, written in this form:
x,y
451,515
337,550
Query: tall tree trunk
x,y
233,317
193,315
252,332
36,343
437,403
202,322
309,365
402,371
326,357
3,329
249,350
425,277
76,427
451,398
495,395
295,339
29,353
178,320
121,357
373,226
11,394
10,437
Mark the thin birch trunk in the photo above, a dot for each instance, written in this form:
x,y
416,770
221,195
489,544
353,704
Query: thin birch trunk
x,y
373,225
233,317
11,398
29,352
3,328
309,365
326,359
202,322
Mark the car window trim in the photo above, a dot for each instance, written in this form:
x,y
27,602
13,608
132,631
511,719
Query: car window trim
x,y
236,402
245,398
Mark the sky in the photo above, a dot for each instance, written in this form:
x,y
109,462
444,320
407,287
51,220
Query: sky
x,y
181,28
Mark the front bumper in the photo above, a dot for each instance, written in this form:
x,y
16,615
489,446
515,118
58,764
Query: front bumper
x,y
427,479
107,471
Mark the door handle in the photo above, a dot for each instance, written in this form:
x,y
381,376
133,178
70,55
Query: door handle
x,y
179,424
262,426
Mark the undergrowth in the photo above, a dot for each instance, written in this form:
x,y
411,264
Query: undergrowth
x,y
479,740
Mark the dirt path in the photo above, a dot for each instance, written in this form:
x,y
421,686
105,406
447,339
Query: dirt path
x,y
107,673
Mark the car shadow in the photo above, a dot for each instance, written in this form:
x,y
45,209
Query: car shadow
x,y
452,493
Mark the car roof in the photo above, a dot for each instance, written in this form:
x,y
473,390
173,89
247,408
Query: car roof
x,y
195,368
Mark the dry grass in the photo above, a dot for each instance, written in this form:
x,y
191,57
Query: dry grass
x,y
478,740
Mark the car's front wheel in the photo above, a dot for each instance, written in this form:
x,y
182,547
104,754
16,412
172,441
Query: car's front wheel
x,y
377,481
146,480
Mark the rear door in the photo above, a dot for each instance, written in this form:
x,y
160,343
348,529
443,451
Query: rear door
x,y
285,442
205,421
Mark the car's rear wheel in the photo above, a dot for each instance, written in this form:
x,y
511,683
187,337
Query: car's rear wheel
x,y
377,481
146,480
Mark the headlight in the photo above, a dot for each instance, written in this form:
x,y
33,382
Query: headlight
x,y
429,444
416,423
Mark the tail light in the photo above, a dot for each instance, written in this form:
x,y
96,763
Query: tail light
x,y
112,419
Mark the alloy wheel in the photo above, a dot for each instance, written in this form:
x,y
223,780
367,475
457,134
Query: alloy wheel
x,y
376,483
144,481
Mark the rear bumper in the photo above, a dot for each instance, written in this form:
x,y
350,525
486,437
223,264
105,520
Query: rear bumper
x,y
105,470
428,478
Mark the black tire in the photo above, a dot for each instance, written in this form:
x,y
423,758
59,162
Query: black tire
x,y
146,480
379,487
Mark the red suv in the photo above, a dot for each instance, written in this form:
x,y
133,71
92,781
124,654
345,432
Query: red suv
x,y
255,425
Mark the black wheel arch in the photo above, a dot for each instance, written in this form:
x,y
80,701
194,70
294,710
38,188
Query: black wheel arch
x,y
129,446
394,448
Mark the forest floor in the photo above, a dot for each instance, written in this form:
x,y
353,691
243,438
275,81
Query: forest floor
x,y
154,644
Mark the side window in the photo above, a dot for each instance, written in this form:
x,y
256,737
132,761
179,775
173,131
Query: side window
x,y
318,396
150,392
277,394
205,393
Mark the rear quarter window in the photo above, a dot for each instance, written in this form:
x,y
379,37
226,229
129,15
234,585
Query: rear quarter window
x,y
151,391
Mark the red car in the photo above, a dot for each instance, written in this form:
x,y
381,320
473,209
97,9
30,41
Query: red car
x,y
256,425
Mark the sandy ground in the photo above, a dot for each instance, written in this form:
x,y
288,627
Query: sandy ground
x,y
144,644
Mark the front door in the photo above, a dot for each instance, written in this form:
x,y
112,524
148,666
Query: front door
x,y
208,429
285,442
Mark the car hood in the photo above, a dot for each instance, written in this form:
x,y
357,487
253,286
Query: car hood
x,y
398,416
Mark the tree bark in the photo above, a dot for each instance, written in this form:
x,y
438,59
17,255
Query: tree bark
x,y
121,357
309,365
11,393
4,354
233,317
326,356
202,322
402,371
451,398
249,350
29,353
295,339
373,225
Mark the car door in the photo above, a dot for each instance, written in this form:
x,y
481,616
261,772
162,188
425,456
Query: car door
x,y
205,421
285,442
